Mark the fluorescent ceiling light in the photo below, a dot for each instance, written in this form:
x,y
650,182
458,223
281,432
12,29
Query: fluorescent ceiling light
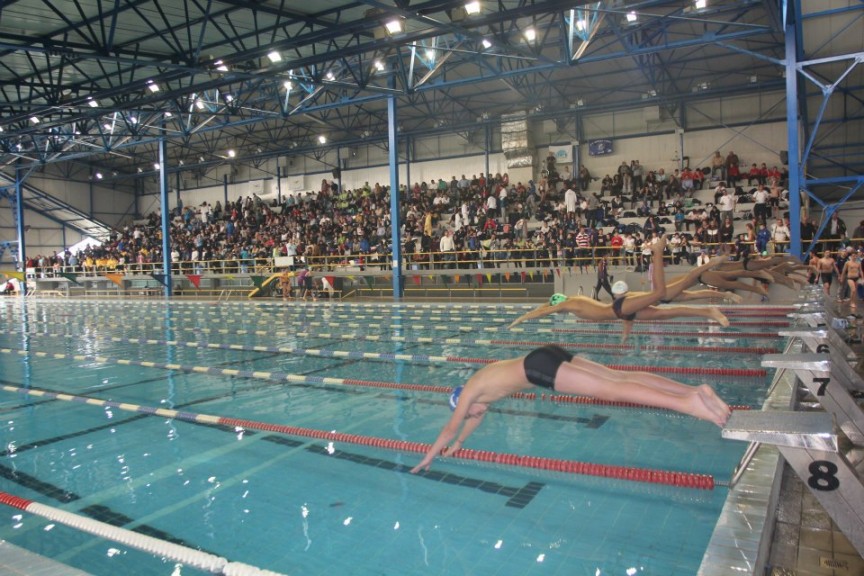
x,y
486,44
472,7
379,65
220,66
157,166
34,119
700,4
322,139
199,103
631,16
274,56
530,34
152,86
394,26
92,103
581,24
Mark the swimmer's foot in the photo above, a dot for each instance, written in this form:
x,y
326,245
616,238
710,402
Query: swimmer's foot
x,y
732,297
717,261
719,317
715,405
765,275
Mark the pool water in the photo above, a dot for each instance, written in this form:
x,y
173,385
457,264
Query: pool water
x,y
296,505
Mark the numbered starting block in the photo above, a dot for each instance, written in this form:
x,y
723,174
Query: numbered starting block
x,y
821,340
809,444
832,389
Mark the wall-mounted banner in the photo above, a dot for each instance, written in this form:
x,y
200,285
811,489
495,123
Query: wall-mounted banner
x,y
563,154
599,147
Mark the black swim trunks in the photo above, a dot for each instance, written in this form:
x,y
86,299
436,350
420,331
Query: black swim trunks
x,y
826,277
616,307
541,365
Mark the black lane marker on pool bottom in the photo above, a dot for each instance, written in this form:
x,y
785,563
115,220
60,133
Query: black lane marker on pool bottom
x,y
517,497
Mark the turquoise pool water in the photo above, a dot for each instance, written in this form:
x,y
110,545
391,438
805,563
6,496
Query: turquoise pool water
x,y
300,506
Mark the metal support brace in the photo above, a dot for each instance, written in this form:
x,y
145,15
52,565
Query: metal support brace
x,y
832,390
809,444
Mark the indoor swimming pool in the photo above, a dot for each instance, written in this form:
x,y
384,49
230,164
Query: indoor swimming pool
x,y
281,435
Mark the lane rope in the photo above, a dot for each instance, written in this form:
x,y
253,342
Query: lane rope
x,y
324,380
392,357
160,548
760,350
672,478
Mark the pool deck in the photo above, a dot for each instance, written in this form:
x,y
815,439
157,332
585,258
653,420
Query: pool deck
x,y
771,524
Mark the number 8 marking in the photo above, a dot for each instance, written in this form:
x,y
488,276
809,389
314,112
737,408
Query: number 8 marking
x,y
823,476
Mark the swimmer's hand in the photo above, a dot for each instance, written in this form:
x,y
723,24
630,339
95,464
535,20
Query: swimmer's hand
x,y
424,465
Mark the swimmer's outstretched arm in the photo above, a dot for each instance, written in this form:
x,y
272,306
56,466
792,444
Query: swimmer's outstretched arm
x,y
542,310
450,431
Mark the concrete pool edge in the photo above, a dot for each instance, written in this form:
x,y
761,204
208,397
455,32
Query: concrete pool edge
x,y
741,540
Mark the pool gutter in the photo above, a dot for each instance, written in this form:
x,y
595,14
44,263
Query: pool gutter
x,y
741,542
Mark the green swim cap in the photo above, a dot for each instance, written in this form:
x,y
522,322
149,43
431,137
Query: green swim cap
x,y
557,298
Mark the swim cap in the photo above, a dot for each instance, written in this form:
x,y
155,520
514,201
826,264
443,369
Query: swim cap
x,y
620,287
557,298
454,397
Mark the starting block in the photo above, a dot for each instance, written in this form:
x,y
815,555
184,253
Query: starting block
x,y
833,391
809,444
821,340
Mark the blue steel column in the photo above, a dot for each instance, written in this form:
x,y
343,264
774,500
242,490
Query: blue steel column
x,y
408,156
488,137
792,134
19,220
395,220
279,184
163,200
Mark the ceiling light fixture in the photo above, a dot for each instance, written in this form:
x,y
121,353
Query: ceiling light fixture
x,y
394,26
231,153
152,86
632,17
322,139
486,44
530,34
472,7
220,66
274,56
92,103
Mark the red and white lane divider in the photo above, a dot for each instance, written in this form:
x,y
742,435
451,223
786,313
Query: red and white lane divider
x,y
672,478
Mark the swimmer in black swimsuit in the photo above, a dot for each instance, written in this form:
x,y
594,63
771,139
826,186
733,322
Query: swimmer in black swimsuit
x,y
630,307
554,368
617,303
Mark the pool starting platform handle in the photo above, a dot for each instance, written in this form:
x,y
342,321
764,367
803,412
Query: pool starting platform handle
x,y
829,387
809,444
